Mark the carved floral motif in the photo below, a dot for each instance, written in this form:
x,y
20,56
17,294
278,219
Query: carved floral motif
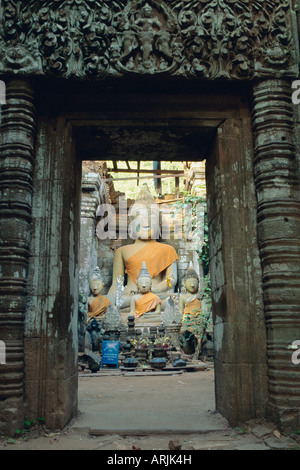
x,y
192,38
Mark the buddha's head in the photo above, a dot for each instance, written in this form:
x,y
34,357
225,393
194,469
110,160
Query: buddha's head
x,y
144,280
144,216
96,286
191,281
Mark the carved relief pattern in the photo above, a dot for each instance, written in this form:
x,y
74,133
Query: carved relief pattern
x,y
16,169
277,185
195,38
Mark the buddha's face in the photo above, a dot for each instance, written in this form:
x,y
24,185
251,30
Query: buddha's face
x,y
144,284
145,225
192,285
96,287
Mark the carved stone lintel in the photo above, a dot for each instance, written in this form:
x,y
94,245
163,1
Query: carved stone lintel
x,y
277,186
196,38
16,169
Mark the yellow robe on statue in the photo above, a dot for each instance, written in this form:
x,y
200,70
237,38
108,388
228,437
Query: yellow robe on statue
x,y
157,256
146,303
98,307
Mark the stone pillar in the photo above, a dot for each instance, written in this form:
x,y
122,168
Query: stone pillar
x,y
16,172
277,187
236,275
90,199
51,326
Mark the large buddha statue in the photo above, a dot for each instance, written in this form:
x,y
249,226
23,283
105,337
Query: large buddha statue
x,y
161,259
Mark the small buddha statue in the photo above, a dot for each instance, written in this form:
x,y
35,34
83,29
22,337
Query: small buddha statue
x,y
161,259
97,303
190,302
145,301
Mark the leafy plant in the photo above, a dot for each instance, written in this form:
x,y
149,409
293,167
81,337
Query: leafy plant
x,y
28,423
11,441
189,203
27,427
239,431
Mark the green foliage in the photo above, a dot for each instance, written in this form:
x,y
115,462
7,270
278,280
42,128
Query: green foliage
x,y
28,425
11,441
198,325
239,431
204,253
191,201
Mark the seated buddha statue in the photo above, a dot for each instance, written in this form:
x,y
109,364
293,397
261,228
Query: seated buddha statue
x,y
144,302
161,259
97,303
190,302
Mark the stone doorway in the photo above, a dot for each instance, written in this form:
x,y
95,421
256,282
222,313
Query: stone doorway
x,y
70,130
103,72
101,253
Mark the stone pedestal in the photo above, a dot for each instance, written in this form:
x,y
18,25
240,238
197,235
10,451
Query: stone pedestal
x,y
173,331
147,320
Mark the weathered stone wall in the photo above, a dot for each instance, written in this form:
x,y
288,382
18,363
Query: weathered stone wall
x,y
51,343
18,132
236,276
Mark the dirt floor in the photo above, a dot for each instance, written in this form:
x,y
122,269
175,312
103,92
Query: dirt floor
x,y
120,412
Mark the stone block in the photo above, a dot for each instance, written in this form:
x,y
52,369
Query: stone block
x,y
283,443
252,446
12,415
241,391
233,341
263,430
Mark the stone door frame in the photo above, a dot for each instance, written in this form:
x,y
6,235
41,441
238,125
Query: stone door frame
x,y
43,200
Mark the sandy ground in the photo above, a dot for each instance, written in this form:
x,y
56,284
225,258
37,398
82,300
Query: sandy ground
x,y
118,413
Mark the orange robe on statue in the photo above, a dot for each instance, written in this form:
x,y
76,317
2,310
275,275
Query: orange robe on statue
x,y
146,303
192,308
157,256
98,307
192,320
